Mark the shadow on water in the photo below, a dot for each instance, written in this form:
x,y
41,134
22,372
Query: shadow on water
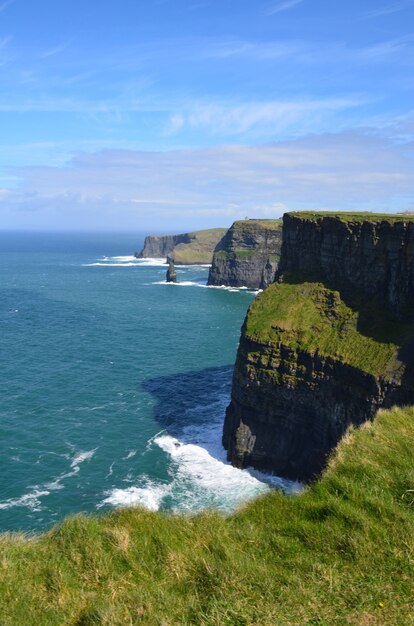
x,y
191,408
190,398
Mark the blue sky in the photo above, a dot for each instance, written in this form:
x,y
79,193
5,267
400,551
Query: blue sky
x,y
172,114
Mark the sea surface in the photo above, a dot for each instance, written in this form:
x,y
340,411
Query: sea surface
x,y
113,384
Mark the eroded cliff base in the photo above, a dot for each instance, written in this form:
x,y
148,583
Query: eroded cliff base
x,y
311,362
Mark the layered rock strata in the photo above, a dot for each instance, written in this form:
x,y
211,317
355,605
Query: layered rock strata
x,y
185,249
248,255
373,253
315,358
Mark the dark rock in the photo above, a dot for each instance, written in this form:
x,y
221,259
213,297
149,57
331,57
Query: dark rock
x,y
171,273
248,255
374,255
186,249
290,405
290,408
157,247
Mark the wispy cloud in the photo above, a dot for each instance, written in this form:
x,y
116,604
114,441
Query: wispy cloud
x,y
282,6
270,117
388,9
6,4
138,189
55,50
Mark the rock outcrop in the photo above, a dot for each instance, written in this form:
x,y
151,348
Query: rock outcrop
x,y
324,347
185,249
159,246
171,276
247,255
370,252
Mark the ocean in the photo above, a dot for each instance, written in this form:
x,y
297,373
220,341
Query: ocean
x,y
113,384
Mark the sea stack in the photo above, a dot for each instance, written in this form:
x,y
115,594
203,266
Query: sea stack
x,y
171,273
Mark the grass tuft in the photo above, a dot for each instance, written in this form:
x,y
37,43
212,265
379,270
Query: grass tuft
x,y
340,553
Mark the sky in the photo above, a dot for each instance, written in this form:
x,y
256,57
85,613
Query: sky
x,y
171,115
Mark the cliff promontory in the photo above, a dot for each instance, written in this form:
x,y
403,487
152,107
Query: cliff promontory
x,y
327,345
247,255
184,249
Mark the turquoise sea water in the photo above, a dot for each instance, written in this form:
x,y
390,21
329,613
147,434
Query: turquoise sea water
x,y
113,384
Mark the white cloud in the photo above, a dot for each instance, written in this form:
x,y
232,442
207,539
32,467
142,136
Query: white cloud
x,y
188,188
271,118
282,6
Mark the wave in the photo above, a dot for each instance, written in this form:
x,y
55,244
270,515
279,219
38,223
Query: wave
x,y
31,499
80,457
126,261
201,477
203,284
149,496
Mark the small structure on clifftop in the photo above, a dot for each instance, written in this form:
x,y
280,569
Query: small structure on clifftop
x,y
171,273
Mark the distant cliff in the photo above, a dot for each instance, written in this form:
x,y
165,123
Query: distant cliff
x,y
247,255
184,249
326,345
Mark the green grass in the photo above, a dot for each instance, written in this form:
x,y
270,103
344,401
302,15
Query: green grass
x,y
353,216
311,317
252,224
341,553
209,234
200,249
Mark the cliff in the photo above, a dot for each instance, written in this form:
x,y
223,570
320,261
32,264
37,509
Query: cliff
x,y
323,348
247,255
184,249
369,252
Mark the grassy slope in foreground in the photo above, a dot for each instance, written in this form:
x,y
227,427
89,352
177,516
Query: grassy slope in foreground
x,y
340,553
201,248
311,317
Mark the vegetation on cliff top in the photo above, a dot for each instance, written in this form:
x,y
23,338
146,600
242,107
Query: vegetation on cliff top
x,y
353,216
252,224
340,553
201,247
309,316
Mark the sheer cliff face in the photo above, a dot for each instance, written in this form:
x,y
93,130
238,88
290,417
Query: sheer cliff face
x,y
374,255
320,349
157,247
185,249
248,255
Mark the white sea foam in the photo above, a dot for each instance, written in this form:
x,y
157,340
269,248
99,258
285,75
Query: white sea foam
x,y
150,496
126,261
130,454
201,477
131,264
30,500
80,457
191,283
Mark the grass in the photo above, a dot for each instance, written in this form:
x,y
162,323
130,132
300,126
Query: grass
x,y
201,247
251,224
311,317
354,216
341,553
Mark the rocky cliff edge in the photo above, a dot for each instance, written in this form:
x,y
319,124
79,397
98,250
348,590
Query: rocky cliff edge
x,y
325,346
247,255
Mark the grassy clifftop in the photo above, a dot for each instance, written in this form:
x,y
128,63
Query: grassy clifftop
x,y
201,247
340,553
270,224
309,316
354,216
